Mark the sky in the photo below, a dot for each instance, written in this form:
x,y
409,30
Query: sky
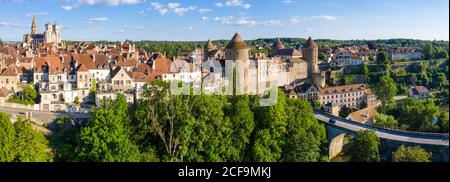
x,y
199,20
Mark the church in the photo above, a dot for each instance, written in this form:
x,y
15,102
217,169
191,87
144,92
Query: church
x,y
51,35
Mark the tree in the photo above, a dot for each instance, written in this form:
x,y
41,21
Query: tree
x,y
269,141
365,147
7,134
76,100
417,115
30,145
411,154
441,54
443,122
64,139
371,58
348,79
365,70
106,138
29,93
386,90
1,42
243,125
94,86
304,135
428,51
323,56
382,58
386,121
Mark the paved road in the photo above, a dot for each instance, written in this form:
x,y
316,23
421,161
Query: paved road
x,y
41,117
403,136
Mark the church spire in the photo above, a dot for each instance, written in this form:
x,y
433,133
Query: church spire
x,y
34,26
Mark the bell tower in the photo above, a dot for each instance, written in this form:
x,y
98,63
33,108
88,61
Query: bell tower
x,y
34,26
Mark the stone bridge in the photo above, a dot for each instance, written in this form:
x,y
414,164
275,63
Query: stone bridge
x,y
390,140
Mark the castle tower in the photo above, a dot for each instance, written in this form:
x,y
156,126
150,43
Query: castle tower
x,y
34,26
311,55
236,50
277,45
208,47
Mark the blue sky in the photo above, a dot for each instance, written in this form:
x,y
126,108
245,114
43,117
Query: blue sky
x,y
219,19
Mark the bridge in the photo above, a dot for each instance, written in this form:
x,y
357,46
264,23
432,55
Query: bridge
x,y
42,117
390,139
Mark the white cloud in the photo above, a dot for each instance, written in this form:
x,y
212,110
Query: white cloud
x,y
204,10
134,29
37,14
9,24
245,21
234,3
96,20
176,8
78,3
287,1
296,19
67,8
323,17
205,18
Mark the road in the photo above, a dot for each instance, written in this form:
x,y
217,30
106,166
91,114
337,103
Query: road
x,y
403,136
41,117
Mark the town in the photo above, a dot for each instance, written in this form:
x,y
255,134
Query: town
x,y
43,74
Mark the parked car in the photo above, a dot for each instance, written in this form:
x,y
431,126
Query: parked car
x,y
332,121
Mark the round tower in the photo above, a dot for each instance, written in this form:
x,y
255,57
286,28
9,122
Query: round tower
x,y
237,49
311,55
208,47
277,45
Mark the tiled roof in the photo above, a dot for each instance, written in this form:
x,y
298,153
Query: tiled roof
x,y
4,92
55,65
341,89
10,71
84,59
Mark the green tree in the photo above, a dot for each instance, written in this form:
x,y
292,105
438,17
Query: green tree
x,y
417,115
268,140
382,58
428,51
365,70
94,86
106,138
443,122
64,139
323,56
243,125
348,79
386,90
29,93
305,134
30,145
386,121
365,147
76,100
441,54
411,154
7,135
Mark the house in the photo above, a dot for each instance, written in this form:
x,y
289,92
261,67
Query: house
x,y
419,92
4,94
9,78
121,81
365,115
349,95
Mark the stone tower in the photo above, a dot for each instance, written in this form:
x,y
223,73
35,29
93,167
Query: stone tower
x,y
277,45
311,55
206,50
34,26
238,51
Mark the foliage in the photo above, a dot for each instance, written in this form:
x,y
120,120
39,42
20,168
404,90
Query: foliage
x,y
76,100
416,115
411,154
106,137
345,111
7,134
386,121
323,56
428,51
365,147
28,96
65,139
386,90
382,58
443,122
30,145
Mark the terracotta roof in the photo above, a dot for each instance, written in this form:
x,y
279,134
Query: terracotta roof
x,y
10,71
288,52
420,90
340,89
363,115
54,64
82,68
140,77
84,59
237,42
101,60
4,92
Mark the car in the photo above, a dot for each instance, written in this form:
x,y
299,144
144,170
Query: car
x,y
332,121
